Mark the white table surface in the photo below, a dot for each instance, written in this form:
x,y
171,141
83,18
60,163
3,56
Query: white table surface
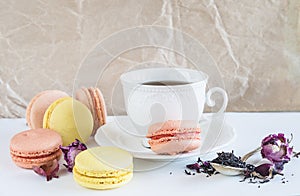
x,y
171,179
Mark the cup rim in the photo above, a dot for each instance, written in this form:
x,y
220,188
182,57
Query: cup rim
x,y
126,78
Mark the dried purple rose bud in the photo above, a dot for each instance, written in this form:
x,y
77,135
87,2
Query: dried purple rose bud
x,y
71,151
276,149
49,170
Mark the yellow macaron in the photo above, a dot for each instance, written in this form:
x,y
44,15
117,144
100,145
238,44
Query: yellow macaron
x,y
103,167
70,118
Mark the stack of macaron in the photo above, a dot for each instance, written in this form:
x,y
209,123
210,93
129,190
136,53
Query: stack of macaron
x,y
174,136
56,120
103,167
77,118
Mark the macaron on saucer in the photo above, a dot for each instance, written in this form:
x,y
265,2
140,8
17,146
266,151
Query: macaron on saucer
x,y
35,147
174,136
104,167
121,132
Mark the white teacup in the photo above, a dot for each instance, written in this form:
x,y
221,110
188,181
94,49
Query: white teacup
x,y
159,94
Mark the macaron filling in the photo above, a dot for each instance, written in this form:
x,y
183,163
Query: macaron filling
x,y
193,135
96,179
36,160
34,155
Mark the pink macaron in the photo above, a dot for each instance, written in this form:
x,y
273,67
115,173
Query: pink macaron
x,y
35,147
174,136
93,99
38,105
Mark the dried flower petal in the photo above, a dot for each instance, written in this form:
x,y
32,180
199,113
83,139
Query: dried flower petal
x,y
194,166
49,170
201,167
71,151
264,171
276,149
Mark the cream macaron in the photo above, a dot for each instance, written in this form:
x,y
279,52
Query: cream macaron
x,y
70,118
103,167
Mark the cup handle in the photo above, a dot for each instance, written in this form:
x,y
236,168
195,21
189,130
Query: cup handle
x,y
212,103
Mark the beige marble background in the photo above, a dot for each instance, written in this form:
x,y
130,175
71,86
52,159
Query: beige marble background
x,y
256,46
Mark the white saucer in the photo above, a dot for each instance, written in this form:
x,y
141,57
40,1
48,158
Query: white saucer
x,y
121,133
